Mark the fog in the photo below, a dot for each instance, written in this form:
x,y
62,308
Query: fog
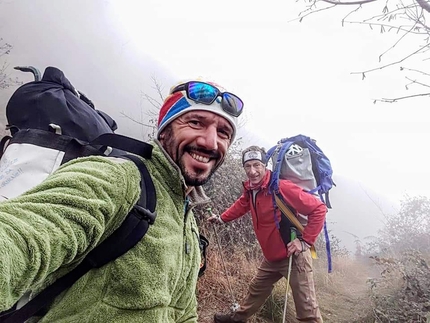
x,y
114,65
80,38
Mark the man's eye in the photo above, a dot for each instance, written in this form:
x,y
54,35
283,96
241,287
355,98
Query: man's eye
x,y
194,123
224,134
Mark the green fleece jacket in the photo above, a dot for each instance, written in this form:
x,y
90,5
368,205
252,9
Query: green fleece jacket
x,y
47,231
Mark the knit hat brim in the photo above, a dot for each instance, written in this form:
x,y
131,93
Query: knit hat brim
x,y
177,104
253,155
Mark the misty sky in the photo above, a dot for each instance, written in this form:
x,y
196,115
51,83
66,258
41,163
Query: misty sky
x,y
293,77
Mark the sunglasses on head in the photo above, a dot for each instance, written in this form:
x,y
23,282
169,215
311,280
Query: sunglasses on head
x,y
205,93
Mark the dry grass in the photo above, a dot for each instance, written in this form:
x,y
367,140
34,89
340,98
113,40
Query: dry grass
x,y
343,294
379,289
217,289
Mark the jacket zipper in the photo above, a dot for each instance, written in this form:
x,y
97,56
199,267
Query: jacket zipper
x,y
254,204
186,246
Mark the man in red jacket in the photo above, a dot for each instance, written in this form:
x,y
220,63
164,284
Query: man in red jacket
x,y
257,199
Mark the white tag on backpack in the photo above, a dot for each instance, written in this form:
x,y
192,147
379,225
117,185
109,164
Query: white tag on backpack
x,y
23,166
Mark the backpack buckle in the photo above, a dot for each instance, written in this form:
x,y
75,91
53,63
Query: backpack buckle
x,y
145,214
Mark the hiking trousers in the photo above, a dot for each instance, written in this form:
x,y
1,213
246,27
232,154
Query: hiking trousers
x,y
301,282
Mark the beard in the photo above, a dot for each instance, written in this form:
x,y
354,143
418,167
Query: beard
x,y
194,179
169,143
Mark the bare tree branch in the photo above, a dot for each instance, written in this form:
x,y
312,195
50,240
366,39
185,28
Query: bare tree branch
x,y
374,202
158,87
350,13
424,4
5,79
386,27
390,64
413,70
349,2
395,44
138,122
404,17
400,98
154,102
310,11
415,82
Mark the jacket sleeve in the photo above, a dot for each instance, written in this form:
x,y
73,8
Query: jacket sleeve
x,y
237,209
305,204
56,223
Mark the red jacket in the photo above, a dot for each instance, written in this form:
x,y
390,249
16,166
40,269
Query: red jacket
x,y
263,215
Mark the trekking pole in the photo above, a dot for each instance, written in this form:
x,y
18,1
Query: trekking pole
x,y
235,305
290,261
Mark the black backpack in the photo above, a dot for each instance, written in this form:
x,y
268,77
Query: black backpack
x,y
51,123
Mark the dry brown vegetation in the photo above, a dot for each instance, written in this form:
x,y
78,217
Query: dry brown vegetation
x,y
380,290
385,281
343,294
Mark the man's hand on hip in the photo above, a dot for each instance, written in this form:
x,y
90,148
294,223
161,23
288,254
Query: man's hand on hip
x,y
297,246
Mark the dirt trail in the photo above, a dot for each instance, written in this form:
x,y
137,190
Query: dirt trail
x,y
345,299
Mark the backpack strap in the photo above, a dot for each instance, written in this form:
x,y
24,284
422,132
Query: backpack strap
x,y
203,244
327,247
289,215
3,143
131,231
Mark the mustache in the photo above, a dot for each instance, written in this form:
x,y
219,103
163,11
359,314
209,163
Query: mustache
x,y
213,154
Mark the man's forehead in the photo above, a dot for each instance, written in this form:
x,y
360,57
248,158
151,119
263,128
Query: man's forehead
x,y
252,163
207,115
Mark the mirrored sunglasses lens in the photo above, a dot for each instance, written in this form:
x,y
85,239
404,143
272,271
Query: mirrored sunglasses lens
x,y
202,92
232,104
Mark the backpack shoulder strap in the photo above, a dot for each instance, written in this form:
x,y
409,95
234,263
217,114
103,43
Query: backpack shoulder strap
x,y
131,231
289,215
3,142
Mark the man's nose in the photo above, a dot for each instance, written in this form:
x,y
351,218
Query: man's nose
x,y
209,139
252,170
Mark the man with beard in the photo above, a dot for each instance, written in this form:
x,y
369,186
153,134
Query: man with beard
x,y
48,230
257,199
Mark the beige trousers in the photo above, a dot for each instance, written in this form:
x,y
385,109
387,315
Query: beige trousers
x,y
301,282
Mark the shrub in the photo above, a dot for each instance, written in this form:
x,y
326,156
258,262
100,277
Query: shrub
x,y
402,292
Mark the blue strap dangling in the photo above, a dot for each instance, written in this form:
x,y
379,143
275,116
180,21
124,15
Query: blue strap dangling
x,y
327,247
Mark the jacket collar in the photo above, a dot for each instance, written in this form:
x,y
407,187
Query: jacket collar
x,y
197,194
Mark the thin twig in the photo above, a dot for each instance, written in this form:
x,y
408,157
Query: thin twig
x,y
393,63
416,82
397,42
401,98
413,70
311,12
374,202
138,122
348,3
350,13
387,26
